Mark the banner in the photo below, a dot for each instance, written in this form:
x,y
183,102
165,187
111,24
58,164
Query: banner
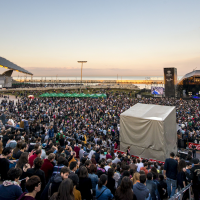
x,y
151,160
197,145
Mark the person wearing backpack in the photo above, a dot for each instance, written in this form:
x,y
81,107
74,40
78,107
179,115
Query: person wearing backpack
x,y
195,177
102,192
54,183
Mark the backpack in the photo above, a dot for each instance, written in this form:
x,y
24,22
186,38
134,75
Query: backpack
x,y
49,191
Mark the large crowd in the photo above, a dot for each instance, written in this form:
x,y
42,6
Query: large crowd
x,y
64,148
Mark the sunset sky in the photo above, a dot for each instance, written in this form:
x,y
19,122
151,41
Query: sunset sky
x,y
129,38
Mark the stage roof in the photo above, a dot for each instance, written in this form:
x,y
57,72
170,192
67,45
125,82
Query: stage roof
x,y
9,65
190,74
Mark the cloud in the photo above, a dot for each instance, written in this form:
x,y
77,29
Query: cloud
x,y
76,72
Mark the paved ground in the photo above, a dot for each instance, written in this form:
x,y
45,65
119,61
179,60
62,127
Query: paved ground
x,y
11,97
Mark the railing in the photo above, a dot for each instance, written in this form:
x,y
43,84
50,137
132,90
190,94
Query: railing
x,y
179,195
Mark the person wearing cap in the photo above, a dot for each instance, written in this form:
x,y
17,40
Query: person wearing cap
x,y
194,176
109,162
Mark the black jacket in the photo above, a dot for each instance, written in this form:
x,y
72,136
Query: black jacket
x,y
111,185
55,182
193,175
30,172
85,187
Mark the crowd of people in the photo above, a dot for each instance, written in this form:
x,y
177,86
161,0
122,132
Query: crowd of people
x,y
64,148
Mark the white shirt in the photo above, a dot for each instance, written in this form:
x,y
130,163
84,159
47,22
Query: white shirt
x,y
90,154
139,165
107,167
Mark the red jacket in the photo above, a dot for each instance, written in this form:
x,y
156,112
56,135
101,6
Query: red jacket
x,y
77,149
47,167
31,159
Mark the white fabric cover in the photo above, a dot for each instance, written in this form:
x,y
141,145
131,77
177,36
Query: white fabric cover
x,y
150,131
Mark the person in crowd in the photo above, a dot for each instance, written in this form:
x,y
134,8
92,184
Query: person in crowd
x,y
139,164
108,156
77,194
162,187
48,166
111,181
61,162
102,192
117,175
77,150
81,152
151,186
124,191
181,178
188,170
65,191
101,168
85,184
4,162
97,155
37,164
136,178
11,142
23,164
37,154
194,176
16,151
33,186
51,132
102,155
54,183
73,168
140,190
117,159
109,163
194,149
170,170
133,165
72,158
1,147
94,178
144,168
10,189
128,151
125,173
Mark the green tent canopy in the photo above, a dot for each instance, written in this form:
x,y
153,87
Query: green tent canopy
x,y
67,95
82,95
45,95
60,95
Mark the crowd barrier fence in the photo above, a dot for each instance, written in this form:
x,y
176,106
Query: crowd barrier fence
x,y
181,195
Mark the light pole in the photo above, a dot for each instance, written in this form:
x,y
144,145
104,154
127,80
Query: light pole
x,y
81,71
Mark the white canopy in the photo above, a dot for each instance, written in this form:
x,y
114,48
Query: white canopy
x,y
150,131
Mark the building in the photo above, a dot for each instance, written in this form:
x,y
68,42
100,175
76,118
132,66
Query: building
x,y
5,78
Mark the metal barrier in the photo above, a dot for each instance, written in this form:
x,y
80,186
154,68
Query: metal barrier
x,y
179,195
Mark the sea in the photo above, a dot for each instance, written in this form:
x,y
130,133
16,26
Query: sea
x,y
94,77
141,86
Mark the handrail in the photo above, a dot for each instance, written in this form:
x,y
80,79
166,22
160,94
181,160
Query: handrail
x,y
179,194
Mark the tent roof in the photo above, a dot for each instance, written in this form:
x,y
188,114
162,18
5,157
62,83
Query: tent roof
x,y
9,65
149,111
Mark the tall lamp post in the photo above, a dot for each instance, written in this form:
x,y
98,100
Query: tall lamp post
x,y
81,70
